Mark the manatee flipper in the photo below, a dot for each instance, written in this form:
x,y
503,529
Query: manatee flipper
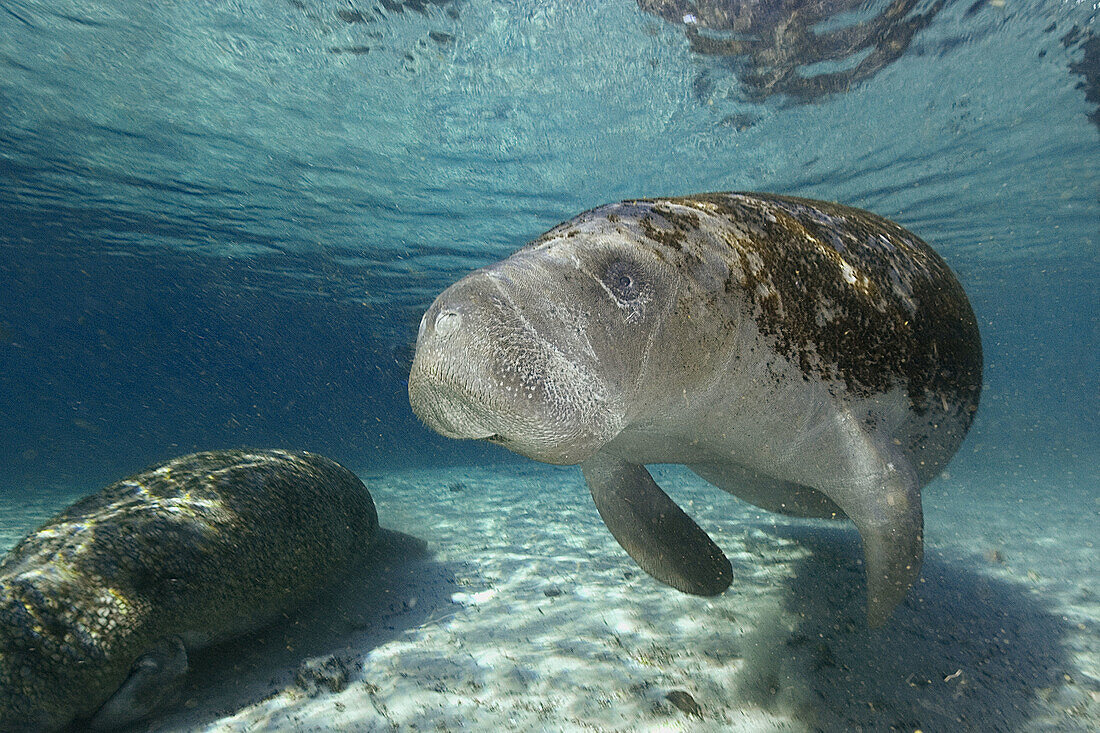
x,y
892,553
881,495
155,678
662,539
781,497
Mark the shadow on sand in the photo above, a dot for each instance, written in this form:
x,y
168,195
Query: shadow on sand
x,y
399,587
965,651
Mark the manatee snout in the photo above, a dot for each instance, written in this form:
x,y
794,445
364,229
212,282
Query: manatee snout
x,y
450,382
493,362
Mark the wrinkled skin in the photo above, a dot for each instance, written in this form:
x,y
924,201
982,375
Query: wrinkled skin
x,y
813,359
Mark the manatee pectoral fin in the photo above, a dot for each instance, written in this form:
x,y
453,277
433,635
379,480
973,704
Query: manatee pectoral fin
x,y
661,538
155,678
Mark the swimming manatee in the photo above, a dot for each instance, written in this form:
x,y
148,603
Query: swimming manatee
x,y
812,359
101,605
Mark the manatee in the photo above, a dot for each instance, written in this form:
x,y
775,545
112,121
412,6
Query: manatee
x,y
100,607
812,359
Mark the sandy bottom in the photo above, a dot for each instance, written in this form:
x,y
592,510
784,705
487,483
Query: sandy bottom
x,y
524,614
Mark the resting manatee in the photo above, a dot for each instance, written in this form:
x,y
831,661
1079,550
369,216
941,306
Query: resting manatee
x,y
810,358
99,607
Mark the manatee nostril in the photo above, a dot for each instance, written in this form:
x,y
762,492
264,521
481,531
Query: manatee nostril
x,y
446,323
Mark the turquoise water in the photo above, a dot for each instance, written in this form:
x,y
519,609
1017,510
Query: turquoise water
x,y
220,223
171,172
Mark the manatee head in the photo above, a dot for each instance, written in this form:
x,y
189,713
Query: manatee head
x,y
548,352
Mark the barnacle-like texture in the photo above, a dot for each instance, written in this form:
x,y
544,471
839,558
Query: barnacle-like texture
x,y
203,547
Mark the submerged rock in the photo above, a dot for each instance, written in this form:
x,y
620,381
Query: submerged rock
x,y
683,700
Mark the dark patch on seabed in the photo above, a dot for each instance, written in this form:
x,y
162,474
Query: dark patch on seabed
x,y
964,651
319,648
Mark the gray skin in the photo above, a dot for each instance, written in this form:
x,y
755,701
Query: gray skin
x,y
100,606
810,358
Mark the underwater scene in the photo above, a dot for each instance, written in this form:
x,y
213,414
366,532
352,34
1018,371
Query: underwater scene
x,y
550,365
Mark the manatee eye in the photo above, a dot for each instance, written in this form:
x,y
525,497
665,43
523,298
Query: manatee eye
x,y
624,280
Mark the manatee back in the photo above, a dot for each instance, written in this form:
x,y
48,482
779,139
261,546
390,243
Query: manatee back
x,y
203,547
853,301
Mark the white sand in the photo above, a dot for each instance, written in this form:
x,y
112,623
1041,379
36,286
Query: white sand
x,y
528,616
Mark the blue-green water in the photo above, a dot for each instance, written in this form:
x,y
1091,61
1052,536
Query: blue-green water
x,y
220,222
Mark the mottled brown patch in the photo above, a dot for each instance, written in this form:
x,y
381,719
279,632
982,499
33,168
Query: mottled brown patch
x,y
681,220
668,237
850,297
